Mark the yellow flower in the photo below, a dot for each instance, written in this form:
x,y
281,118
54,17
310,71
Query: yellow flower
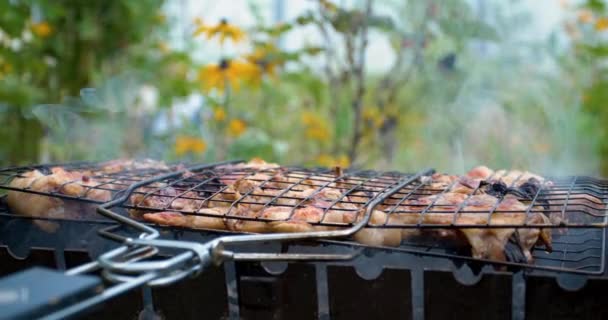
x,y
343,161
373,117
266,59
231,72
585,16
5,68
223,30
319,133
309,118
326,160
186,144
315,127
236,127
219,114
42,29
601,24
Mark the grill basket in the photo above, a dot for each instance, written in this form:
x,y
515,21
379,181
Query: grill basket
x,y
578,238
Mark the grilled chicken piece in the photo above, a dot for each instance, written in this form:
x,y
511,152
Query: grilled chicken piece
x,y
460,184
168,218
60,181
375,236
488,243
516,178
197,221
254,164
446,202
439,181
286,217
298,221
527,238
277,219
119,165
240,224
159,196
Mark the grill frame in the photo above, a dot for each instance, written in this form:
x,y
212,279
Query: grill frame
x,y
397,188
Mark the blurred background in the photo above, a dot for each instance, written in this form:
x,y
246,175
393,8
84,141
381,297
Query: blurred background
x,y
373,84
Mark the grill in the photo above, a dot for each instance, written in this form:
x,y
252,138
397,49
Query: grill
x,y
578,232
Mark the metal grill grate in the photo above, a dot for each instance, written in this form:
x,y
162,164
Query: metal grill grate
x,y
284,187
575,202
578,204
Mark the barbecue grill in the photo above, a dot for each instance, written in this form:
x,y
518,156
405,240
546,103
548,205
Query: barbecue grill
x,y
123,254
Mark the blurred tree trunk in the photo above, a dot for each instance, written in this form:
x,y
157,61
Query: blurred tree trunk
x,y
388,140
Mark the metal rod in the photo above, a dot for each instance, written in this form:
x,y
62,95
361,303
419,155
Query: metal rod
x,y
232,292
518,296
84,268
417,287
323,309
289,257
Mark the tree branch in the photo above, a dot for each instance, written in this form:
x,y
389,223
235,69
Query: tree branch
x,y
332,78
360,83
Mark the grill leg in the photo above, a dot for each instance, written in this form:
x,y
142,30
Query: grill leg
x,y
417,294
518,299
148,312
232,290
59,258
322,291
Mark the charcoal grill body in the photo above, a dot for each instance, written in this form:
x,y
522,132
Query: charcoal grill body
x,y
411,281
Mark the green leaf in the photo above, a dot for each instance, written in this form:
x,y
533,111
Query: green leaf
x,y
595,5
306,18
599,50
384,23
253,143
312,50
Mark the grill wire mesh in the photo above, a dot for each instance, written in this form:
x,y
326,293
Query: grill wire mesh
x,y
579,202
106,176
206,187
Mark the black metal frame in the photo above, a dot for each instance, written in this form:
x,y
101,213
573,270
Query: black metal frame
x,y
587,258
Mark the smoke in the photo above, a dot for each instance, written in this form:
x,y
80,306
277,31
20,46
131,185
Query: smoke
x,y
508,112
102,123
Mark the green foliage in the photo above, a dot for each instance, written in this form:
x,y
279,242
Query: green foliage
x,y
444,102
56,48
